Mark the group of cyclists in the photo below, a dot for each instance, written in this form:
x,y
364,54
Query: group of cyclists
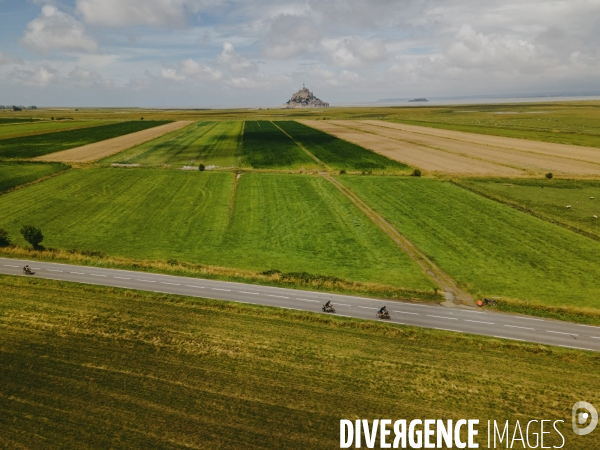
x,y
382,313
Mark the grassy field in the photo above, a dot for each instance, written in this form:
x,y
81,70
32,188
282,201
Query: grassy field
x,y
292,223
89,367
4,120
337,153
489,248
208,143
43,144
548,199
40,127
13,174
266,147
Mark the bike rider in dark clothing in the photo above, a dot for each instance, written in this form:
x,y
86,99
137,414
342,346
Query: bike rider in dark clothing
x,y
328,304
382,311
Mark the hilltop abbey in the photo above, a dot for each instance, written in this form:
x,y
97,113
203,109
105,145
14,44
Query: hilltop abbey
x,y
305,99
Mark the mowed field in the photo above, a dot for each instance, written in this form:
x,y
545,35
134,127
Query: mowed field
x,y
291,223
17,173
489,248
89,367
570,202
11,130
43,144
267,147
453,151
209,143
339,154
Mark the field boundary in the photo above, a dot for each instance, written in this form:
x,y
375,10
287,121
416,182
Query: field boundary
x,y
526,210
450,288
39,180
308,152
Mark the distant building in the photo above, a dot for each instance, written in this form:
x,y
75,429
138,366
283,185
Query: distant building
x,y
2,107
305,99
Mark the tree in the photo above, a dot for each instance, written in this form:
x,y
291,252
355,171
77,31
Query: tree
x,y
201,167
4,238
549,175
32,235
416,173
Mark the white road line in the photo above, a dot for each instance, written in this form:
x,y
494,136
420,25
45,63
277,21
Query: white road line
x,y
447,329
217,289
478,321
97,275
589,326
442,317
528,318
406,312
251,293
79,273
560,332
512,339
341,304
473,312
307,300
54,270
367,307
8,265
198,287
576,348
146,281
522,328
595,337
172,284
122,278
278,296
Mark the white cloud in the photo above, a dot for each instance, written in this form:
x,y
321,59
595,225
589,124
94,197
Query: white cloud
x,y
235,63
8,59
40,77
290,36
191,70
356,51
56,30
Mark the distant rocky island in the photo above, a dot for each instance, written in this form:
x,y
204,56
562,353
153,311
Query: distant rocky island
x,y
418,100
305,99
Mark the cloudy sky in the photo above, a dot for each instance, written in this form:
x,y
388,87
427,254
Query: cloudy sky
x,y
203,53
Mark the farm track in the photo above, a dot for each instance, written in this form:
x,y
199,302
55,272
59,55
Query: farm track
x,y
103,149
452,292
308,152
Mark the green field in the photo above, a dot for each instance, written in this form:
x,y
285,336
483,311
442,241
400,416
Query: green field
x,y
337,153
489,248
548,199
4,120
293,223
208,143
91,367
43,144
267,147
13,174
41,127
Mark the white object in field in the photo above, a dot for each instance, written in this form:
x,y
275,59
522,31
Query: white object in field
x,y
568,206
595,216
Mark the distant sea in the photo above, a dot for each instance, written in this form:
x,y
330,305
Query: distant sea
x,y
477,100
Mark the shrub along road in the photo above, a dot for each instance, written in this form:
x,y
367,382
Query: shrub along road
x,y
467,320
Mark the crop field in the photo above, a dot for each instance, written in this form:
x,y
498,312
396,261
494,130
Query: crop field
x,y
267,147
291,223
339,154
4,120
43,144
40,127
489,248
94,367
17,173
208,143
548,199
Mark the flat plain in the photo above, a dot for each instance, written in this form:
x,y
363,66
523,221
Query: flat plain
x,y
12,130
17,173
291,223
91,367
209,143
43,144
489,248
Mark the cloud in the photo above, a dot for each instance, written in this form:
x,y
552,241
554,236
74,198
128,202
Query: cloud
x,y
289,36
124,13
356,51
40,77
8,59
190,70
233,62
55,30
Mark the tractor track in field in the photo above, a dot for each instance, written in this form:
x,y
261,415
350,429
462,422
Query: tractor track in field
x,y
308,152
454,295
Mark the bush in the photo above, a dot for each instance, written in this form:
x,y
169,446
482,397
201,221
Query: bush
x,y
343,172
416,173
549,175
271,272
201,167
32,235
173,262
4,238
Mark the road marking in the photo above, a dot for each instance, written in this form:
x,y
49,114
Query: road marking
x,y
577,348
307,300
447,329
528,318
560,332
251,293
122,278
511,339
217,289
473,312
367,307
54,270
146,281
96,275
522,328
8,265
172,284
278,296
478,321
595,337
406,312
79,273
442,317
341,304
198,287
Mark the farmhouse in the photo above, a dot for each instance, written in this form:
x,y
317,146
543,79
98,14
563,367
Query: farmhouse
x,y
305,99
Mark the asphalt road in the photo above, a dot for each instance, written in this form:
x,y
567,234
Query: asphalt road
x,y
465,320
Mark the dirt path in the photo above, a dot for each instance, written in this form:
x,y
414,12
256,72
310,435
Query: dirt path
x,y
102,149
303,148
453,294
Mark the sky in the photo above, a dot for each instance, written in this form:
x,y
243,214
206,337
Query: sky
x,y
249,53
